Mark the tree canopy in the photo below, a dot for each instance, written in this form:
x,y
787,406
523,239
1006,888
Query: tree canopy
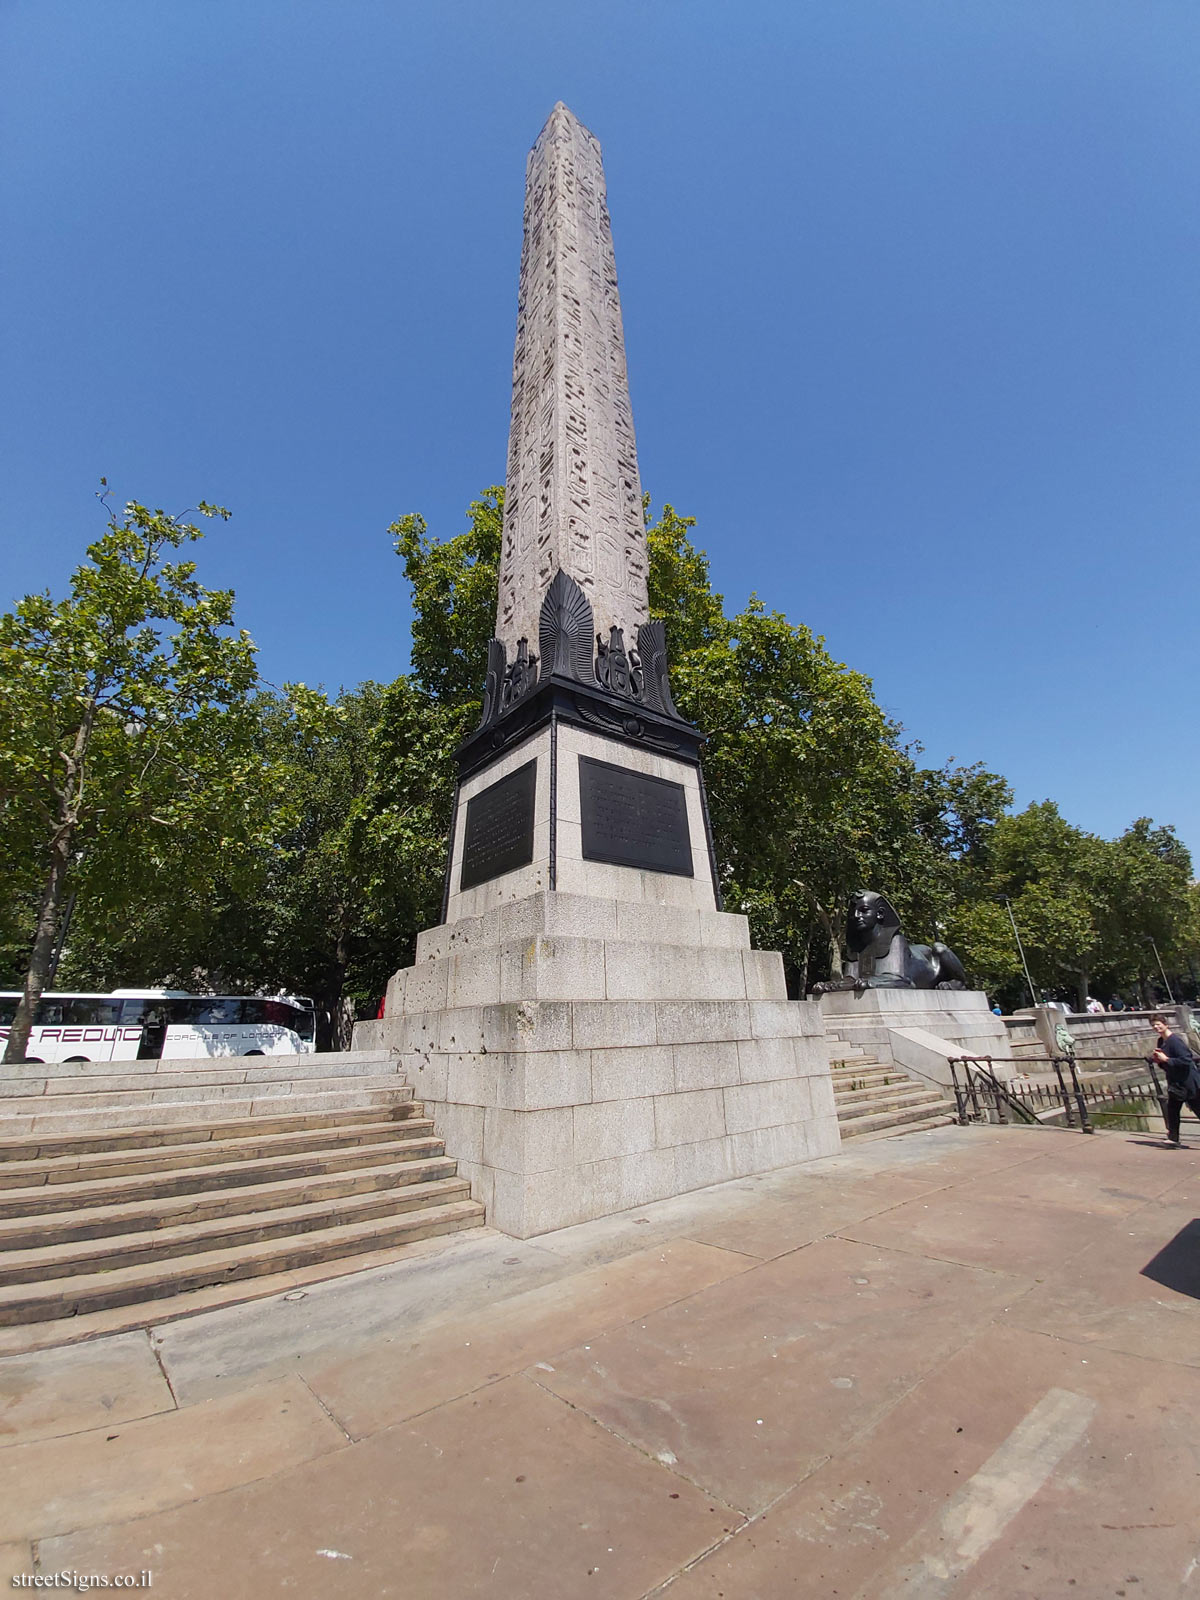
x,y
216,834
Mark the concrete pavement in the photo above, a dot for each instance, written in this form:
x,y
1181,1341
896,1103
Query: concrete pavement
x,y
959,1363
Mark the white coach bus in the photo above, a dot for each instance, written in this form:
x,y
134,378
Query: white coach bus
x,y
146,1024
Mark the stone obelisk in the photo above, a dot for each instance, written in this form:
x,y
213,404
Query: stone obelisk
x,y
588,1028
573,500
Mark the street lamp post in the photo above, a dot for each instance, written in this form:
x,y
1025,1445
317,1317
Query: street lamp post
x,y
1020,949
1161,968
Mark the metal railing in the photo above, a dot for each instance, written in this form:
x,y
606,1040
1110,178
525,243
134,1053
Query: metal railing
x,y
981,1096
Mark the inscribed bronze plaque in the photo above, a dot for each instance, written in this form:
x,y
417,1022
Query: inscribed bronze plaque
x,y
633,820
499,833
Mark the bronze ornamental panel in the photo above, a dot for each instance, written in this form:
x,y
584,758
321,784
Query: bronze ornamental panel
x,y
631,819
499,831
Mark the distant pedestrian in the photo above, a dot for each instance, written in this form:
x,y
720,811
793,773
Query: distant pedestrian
x,y
1182,1075
1117,1004
1094,1005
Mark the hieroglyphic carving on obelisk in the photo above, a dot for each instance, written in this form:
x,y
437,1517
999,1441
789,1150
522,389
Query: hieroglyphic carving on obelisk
x,y
573,499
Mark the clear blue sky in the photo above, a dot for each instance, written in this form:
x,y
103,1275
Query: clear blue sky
x,y
910,293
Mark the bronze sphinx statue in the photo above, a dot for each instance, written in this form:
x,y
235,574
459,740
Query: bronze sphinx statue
x,y
882,958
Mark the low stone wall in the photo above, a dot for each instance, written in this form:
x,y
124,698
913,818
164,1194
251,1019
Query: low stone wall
x,y
1106,1035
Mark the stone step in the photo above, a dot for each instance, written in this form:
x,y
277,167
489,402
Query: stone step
x,y
904,1119
151,1280
196,1076
329,1064
217,1095
49,1120
868,1078
415,1144
848,1114
111,1142
27,1230
37,1262
909,1127
879,1099
243,1144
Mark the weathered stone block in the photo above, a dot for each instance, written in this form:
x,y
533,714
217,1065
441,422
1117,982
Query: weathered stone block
x,y
726,930
613,1128
471,1078
552,968
461,1127
689,1118
760,1060
766,1105
764,1149
641,923
705,1066
474,978
629,1073
528,1025
550,1078
610,1024
425,987
764,979
693,1021
527,1141
698,1165
622,1182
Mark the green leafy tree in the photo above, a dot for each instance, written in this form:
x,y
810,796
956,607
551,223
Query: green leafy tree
x,y
454,599
125,730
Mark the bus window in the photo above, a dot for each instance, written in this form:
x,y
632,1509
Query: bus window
x,y
205,1012
136,1013
8,1010
75,1013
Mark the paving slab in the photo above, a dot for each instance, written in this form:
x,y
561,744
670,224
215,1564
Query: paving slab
x,y
750,1384
1017,1469
580,1414
220,1351
111,1474
408,1377
16,1561
1000,1234
1135,1290
783,1220
75,1387
509,1493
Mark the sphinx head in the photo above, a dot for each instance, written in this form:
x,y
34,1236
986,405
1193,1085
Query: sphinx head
x,y
872,923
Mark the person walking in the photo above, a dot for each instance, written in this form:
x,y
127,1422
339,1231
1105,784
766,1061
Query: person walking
x,y
1182,1075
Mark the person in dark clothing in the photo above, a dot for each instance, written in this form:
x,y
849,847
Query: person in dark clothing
x,y
1182,1075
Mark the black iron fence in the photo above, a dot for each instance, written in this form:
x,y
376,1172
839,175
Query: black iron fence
x,y
980,1095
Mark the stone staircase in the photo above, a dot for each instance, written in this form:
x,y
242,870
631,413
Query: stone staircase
x,y
873,1099
128,1182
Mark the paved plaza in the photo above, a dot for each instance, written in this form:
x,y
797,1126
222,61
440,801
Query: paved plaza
x,y
959,1363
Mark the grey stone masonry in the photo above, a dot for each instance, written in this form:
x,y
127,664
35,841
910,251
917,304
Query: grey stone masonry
x,y
573,498
580,1055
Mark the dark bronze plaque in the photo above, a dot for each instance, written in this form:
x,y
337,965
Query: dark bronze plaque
x,y
633,820
499,833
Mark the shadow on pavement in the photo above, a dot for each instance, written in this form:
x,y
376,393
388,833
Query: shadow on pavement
x,y
1177,1264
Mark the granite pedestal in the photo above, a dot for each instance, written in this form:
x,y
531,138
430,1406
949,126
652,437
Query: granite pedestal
x,y
918,1030
581,1054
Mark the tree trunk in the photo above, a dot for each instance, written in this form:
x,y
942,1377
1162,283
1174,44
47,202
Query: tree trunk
x,y
70,799
1081,992
43,951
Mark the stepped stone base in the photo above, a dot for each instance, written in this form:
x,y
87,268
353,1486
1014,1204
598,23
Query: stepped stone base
x,y
582,1055
917,1031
